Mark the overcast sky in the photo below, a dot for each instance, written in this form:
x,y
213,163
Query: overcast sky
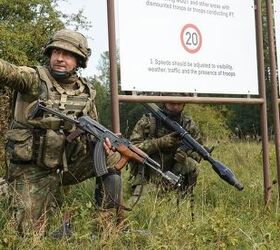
x,y
96,12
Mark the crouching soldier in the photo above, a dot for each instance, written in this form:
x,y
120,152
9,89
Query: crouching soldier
x,y
163,145
39,158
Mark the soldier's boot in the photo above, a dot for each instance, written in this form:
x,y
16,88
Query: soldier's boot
x,y
65,230
40,226
29,226
105,225
106,219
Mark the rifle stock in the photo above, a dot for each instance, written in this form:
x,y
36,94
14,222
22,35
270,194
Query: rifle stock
x,y
190,143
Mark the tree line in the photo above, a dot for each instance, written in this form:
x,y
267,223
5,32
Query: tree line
x,y
26,26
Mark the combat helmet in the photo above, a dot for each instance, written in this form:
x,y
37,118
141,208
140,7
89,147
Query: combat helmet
x,y
72,41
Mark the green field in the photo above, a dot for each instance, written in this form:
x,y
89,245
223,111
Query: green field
x,y
225,218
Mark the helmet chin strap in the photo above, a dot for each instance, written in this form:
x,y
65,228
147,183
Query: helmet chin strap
x,y
62,75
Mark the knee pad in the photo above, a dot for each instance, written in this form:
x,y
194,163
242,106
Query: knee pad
x,y
108,190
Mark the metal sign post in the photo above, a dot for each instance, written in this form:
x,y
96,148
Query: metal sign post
x,y
275,99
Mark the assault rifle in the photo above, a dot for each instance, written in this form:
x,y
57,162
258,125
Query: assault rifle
x,y
190,143
127,150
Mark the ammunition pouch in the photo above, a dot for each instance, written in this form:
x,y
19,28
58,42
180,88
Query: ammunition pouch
x,y
41,147
49,151
19,146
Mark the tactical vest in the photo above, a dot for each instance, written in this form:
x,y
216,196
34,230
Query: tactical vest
x,y
72,102
43,140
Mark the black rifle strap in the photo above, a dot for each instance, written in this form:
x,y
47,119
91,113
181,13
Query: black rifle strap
x,y
142,186
181,193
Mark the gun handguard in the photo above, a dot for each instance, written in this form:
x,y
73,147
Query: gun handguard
x,y
126,155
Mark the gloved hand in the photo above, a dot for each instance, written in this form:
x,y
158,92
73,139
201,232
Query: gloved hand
x,y
168,141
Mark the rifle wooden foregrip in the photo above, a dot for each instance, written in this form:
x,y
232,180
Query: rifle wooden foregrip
x,y
139,152
126,155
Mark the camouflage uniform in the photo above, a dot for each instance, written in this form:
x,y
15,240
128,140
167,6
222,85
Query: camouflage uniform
x,y
146,135
39,158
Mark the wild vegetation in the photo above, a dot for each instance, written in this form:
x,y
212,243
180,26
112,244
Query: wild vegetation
x,y
225,218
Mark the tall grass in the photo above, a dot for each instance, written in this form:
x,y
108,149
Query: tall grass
x,y
225,218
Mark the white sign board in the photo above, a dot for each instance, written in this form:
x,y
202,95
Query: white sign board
x,y
277,30
188,46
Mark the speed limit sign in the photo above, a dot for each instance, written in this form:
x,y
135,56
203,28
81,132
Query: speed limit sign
x,y
191,38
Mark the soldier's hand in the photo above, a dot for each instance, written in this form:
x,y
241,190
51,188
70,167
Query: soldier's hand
x,y
108,147
113,157
168,141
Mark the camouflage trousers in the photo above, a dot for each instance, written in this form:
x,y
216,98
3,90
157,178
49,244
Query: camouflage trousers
x,y
34,192
33,195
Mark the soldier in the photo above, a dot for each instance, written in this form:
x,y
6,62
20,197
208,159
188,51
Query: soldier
x,y
39,159
163,145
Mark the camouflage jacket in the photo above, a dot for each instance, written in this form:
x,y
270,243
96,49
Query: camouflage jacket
x,y
30,85
148,129
22,79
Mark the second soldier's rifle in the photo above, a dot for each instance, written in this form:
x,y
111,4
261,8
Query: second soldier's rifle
x,y
127,150
190,143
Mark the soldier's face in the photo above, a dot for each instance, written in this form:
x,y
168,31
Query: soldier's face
x,y
62,60
174,107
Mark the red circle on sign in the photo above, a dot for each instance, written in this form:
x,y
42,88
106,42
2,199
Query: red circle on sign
x,y
184,29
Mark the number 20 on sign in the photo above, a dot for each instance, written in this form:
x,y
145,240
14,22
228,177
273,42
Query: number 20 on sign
x,y
191,38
